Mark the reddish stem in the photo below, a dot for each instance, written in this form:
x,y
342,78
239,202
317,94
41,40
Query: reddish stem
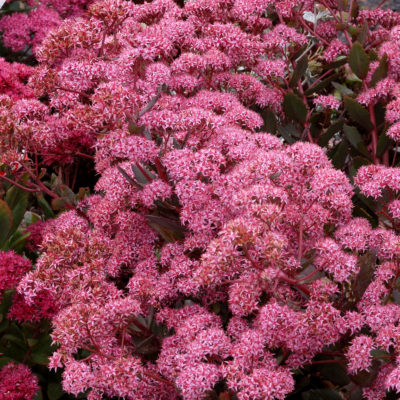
x,y
308,276
150,104
146,175
312,31
160,170
88,156
380,4
395,155
158,378
52,194
83,94
320,78
374,134
19,185
307,123
283,277
300,254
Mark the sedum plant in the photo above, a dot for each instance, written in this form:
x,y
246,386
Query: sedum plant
x,y
237,147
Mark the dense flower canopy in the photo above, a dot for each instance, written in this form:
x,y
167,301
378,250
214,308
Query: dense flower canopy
x,y
211,254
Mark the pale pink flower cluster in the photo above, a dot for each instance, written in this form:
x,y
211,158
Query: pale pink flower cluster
x,y
359,353
374,179
328,101
335,49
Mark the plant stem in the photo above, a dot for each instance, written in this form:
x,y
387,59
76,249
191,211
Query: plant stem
x,y
19,185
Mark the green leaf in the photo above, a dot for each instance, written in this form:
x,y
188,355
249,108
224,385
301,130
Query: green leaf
x,y
135,129
315,128
142,175
39,358
44,346
335,373
14,195
17,199
15,339
358,113
355,139
360,283
373,55
270,122
18,240
45,206
14,351
359,60
66,193
4,324
294,108
341,26
367,377
298,53
363,34
15,335
82,193
170,229
55,181
354,9
365,200
379,353
334,128
58,203
4,361
344,90
341,60
353,30
381,71
380,121
216,307
342,4
6,222
384,142
321,85
6,301
129,178
299,71
32,342
288,132
340,155
321,394
30,218
356,164
54,391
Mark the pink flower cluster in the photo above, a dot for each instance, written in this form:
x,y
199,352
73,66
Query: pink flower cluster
x,y
13,79
26,30
211,255
17,382
12,268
